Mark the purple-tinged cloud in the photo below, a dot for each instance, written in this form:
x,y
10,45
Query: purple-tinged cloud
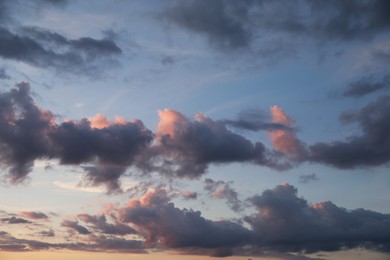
x,y
370,148
367,85
223,190
307,178
14,220
186,147
160,222
286,222
34,215
74,226
101,225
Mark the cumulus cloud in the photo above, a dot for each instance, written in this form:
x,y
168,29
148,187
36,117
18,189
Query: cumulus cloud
x,y
28,133
188,146
283,223
287,222
157,218
181,147
24,130
370,148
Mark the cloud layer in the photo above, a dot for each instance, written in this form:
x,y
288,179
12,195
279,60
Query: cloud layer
x,y
180,147
282,222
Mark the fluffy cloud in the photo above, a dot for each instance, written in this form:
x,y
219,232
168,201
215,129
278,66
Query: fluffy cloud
x,y
188,146
287,222
180,147
283,222
157,218
28,133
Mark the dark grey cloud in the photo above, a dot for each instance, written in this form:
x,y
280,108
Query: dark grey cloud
x,y
288,223
239,24
283,223
307,178
96,244
255,120
186,147
367,85
75,226
213,19
23,131
14,220
46,49
370,148
111,149
162,223
223,190
100,224
28,133
46,233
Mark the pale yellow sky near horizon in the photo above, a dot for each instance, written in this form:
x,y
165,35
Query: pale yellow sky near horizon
x,y
355,254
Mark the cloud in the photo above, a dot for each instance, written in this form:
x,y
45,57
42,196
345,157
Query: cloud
x,y
23,131
96,244
181,147
215,20
100,224
223,190
285,141
189,195
45,49
34,215
3,74
157,218
28,133
14,220
282,224
255,120
305,179
366,85
74,226
288,223
188,146
370,148
247,24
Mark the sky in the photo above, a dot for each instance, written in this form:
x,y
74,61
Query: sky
x,y
194,129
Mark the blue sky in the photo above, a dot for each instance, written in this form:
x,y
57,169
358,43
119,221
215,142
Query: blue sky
x,y
213,128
